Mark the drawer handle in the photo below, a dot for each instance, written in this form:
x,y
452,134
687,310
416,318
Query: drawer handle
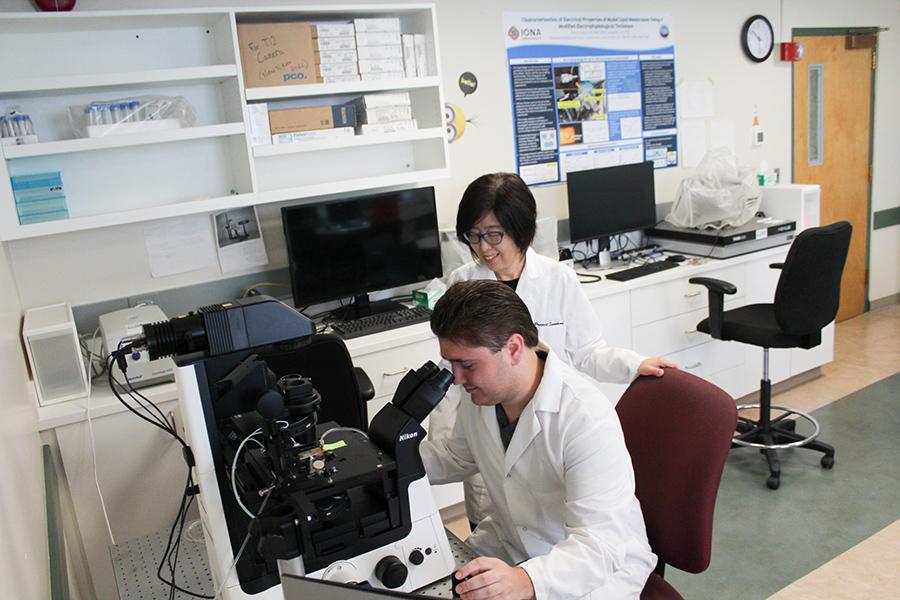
x,y
693,366
395,373
693,294
690,331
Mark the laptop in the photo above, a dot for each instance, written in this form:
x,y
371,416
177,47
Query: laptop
x,y
305,588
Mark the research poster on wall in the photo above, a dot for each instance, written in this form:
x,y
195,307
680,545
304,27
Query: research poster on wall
x,y
590,90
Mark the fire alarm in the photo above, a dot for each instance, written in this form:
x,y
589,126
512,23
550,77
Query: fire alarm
x,y
791,51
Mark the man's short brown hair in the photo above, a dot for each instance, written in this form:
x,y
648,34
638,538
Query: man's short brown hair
x,y
482,313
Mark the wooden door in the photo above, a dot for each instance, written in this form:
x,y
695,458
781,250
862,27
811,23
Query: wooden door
x,y
832,120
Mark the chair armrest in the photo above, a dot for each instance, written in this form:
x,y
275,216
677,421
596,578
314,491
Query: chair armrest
x,y
776,265
714,285
717,290
366,389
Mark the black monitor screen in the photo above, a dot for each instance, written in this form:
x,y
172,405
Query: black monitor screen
x,y
357,245
603,202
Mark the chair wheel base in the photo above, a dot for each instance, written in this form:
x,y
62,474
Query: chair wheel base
x,y
827,462
773,482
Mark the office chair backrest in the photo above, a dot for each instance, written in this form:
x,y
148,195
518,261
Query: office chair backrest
x,y
678,431
326,361
809,289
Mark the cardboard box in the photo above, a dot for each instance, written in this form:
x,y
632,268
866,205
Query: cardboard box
x,y
275,54
289,120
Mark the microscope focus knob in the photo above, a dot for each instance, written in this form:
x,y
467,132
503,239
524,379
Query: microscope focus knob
x,y
391,571
416,557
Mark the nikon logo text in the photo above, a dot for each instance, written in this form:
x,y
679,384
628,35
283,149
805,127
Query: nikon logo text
x,y
409,436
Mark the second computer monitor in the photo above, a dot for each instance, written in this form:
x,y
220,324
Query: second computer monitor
x,y
348,247
611,200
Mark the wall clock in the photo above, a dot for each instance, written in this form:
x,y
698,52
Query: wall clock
x,y
757,38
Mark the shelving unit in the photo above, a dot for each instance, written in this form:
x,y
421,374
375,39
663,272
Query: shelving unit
x,y
210,166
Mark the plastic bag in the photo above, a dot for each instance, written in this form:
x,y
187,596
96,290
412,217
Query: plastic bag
x,y
720,194
131,115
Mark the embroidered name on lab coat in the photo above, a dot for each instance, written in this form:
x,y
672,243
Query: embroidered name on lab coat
x,y
551,324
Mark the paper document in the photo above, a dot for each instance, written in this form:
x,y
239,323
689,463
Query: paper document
x,y
239,239
179,245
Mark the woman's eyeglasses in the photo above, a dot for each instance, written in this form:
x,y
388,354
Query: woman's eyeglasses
x,y
491,237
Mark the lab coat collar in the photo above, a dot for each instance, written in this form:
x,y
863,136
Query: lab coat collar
x,y
534,268
545,399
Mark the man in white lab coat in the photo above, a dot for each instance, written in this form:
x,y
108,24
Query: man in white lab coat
x,y
565,522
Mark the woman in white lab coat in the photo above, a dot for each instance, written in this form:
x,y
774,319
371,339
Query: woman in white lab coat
x,y
497,219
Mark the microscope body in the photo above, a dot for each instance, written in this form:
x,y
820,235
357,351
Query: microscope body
x,y
344,509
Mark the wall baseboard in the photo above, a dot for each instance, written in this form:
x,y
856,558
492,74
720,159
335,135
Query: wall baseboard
x,y
884,302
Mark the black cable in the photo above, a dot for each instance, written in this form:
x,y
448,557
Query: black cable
x,y
186,497
591,278
152,418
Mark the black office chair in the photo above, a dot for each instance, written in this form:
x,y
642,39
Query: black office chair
x,y
806,300
345,389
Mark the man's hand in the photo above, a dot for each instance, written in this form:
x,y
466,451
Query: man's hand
x,y
492,578
655,366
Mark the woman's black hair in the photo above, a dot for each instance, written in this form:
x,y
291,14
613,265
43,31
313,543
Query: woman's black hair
x,y
511,201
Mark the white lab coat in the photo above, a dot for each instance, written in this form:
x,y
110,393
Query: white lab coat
x,y
565,321
563,492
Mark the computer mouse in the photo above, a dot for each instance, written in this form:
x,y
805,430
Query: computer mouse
x,y
676,258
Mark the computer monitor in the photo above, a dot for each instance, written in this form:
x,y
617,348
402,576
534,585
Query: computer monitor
x,y
303,588
353,246
604,202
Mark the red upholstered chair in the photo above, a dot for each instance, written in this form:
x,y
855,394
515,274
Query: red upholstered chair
x,y
678,430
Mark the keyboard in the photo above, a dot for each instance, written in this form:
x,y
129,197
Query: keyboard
x,y
641,270
381,322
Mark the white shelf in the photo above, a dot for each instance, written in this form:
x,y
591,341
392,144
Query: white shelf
x,y
194,53
347,142
56,84
207,205
349,87
120,141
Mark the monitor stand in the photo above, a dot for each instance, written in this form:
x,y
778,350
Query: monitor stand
x,y
363,307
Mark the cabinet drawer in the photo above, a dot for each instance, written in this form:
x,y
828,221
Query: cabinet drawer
x,y
709,358
673,334
656,302
387,367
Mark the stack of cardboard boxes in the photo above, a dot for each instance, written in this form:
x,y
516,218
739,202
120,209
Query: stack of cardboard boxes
x,y
291,53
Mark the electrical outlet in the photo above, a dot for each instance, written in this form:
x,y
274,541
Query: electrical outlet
x,y
144,299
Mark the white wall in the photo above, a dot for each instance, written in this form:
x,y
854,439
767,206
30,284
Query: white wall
x,y
23,522
109,263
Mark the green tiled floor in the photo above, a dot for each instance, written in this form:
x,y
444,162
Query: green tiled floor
x,y
764,540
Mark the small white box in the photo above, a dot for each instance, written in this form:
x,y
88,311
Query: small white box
x,y
54,354
372,25
378,38
380,52
258,116
383,76
330,71
385,65
421,51
327,29
328,57
336,43
385,114
409,54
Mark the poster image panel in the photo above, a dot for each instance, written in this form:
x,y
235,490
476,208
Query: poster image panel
x,y
590,90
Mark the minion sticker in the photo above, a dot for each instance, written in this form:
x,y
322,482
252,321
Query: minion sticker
x,y
454,122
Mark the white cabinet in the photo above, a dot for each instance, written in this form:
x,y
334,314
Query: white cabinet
x,y
657,315
127,178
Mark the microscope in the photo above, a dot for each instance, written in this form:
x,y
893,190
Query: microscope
x,y
281,493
